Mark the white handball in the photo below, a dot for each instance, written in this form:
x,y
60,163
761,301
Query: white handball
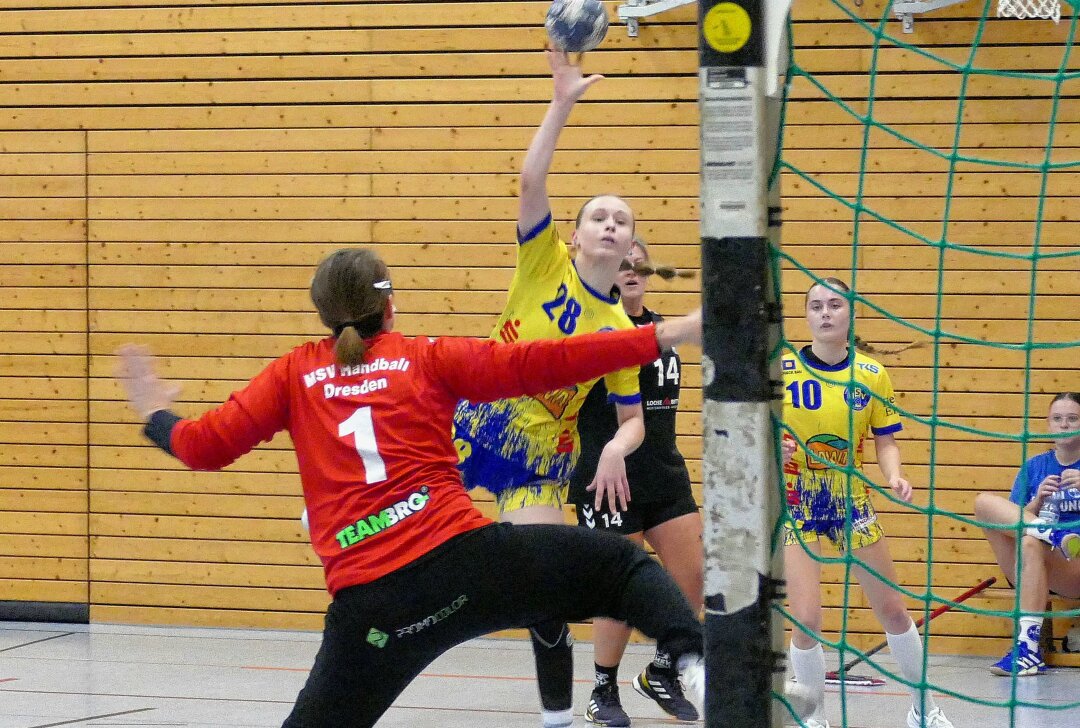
x,y
576,26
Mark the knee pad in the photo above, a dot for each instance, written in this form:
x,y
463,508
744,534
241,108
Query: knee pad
x,y
553,650
551,635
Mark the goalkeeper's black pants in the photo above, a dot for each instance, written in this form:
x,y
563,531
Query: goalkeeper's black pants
x,y
379,636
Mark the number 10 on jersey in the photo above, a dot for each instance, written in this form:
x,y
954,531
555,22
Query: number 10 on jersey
x,y
805,395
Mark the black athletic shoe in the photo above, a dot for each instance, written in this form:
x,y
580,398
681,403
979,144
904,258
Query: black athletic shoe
x,y
667,691
605,709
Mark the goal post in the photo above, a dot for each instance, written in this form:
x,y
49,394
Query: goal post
x,y
740,118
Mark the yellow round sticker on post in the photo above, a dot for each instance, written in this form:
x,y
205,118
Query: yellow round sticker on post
x,y
726,27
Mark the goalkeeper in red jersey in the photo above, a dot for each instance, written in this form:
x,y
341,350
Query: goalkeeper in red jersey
x,y
413,567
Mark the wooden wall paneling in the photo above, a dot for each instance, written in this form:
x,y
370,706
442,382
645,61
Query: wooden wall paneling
x,y
43,369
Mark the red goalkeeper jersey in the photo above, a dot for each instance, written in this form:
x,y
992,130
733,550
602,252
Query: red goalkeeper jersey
x,y
376,460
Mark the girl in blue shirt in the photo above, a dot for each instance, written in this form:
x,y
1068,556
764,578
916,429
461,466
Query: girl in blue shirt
x,y
1047,555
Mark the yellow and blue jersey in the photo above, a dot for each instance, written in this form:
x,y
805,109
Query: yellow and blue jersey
x,y
832,409
514,442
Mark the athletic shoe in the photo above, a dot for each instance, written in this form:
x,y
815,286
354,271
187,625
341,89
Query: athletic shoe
x,y
803,701
1020,661
934,719
605,709
1067,542
667,692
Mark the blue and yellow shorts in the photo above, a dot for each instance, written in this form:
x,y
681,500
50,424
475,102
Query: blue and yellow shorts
x,y
539,493
513,486
821,512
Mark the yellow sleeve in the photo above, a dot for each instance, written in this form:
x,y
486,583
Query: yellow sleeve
x,y
623,386
541,252
884,419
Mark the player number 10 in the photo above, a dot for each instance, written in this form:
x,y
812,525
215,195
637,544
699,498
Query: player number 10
x,y
805,395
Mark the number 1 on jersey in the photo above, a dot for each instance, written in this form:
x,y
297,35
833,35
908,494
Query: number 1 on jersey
x,y
362,428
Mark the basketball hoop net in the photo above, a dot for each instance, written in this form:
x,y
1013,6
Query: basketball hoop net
x,y
1048,9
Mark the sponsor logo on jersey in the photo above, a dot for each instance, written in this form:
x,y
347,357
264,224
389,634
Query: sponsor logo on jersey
x,y
826,451
556,402
384,519
857,396
509,332
565,443
788,365
890,408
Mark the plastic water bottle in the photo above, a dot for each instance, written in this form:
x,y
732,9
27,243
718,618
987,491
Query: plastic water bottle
x,y
1048,512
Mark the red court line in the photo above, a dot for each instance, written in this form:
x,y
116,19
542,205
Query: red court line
x,y
8,679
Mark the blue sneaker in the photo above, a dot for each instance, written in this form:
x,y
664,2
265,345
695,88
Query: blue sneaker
x,y
1065,541
1020,661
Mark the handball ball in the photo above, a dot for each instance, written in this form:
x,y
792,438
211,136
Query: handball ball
x,y
576,26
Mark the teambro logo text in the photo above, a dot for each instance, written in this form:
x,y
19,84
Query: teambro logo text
x,y
384,519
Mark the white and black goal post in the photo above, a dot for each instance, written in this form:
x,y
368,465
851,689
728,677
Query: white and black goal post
x,y
740,117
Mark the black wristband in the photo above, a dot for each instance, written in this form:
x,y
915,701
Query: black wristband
x,y
159,429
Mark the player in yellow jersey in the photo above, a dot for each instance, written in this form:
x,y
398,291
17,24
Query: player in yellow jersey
x,y
834,399
523,450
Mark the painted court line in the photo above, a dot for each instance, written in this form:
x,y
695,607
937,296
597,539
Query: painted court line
x,y
91,717
35,642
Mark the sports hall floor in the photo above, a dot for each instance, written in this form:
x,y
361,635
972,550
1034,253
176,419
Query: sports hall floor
x,y
115,675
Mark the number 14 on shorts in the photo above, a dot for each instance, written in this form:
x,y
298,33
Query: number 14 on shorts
x,y
605,520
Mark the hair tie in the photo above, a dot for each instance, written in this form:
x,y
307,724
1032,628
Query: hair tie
x,y
366,326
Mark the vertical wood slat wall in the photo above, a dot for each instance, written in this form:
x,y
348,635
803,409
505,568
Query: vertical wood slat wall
x,y
174,170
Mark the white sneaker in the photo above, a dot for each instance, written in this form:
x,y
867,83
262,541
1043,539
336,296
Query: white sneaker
x,y
557,718
933,719
803,701
692,677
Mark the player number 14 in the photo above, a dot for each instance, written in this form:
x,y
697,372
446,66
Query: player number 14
x,y
672,371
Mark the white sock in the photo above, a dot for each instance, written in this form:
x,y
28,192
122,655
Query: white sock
x,y
907,648
1030,632
809,667
1040,529
557,718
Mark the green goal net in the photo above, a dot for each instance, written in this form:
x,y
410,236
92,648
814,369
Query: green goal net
x,y
937,173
